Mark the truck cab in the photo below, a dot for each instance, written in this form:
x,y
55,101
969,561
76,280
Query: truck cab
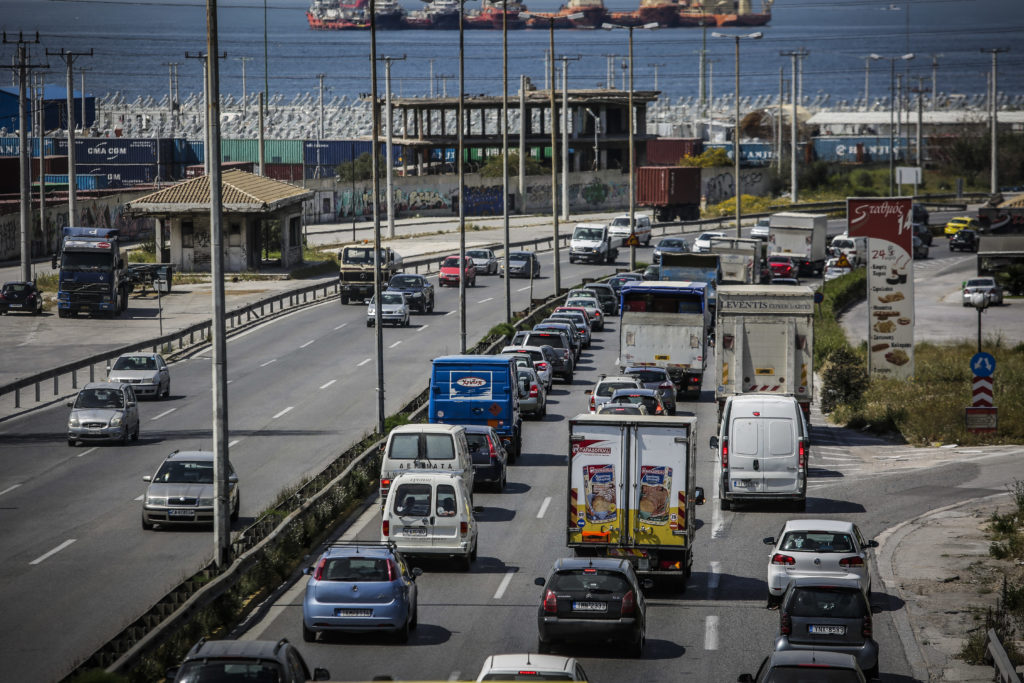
x,y
592,243
92,277
356,272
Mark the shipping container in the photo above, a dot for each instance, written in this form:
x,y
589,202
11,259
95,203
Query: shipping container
x,y
860,149
327,152
312,172
185,152
199,170
134,151
286,172
82,181
672,191
11,146
124,175
668,151
751,153
10,171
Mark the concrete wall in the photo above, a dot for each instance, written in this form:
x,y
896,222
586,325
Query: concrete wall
x,y
435,195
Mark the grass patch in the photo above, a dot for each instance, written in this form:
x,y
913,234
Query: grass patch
x,y
838,295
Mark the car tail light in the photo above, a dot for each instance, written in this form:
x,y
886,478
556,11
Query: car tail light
x,y
785,623
593,403
850,562
694,379
550,602
385,528
494,453
725,453
779,558
628,603
665,385
534,391
463,528
319,573
802,453
866,627
541,365
392,570
527,673
385,485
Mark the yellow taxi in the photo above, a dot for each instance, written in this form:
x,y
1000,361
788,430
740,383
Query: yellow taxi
x,y
958,223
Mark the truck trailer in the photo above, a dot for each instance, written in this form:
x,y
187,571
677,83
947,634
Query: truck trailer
x,y
632,491
741,259
673,192
800,235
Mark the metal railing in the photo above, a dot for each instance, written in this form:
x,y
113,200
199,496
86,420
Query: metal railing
x,y
1005,672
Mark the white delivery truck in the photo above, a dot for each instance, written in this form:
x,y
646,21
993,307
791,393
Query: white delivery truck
x,y
801,235
740,258
632,491
764,342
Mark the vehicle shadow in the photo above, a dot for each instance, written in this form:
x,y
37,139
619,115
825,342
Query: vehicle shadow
x,y
655,648
736,587
515,487
886,602
424,634
446,565
493,513
543,460
832,506
823,473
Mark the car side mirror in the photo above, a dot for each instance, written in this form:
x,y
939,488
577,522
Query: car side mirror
x,y
71,404
147,477
321,674
539,581
416,571
713,442
770,540
872,543
233,478
698,495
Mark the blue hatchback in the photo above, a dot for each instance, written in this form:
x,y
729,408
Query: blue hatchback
x,y
358,588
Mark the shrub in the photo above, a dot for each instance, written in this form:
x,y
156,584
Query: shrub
x,y
845,379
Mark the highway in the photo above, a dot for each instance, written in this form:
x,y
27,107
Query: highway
x,y
76,561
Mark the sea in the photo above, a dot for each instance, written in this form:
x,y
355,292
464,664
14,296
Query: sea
x,y
134,46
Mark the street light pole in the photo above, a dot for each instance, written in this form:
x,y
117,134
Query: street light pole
x,y
378,320
892,113
565,134
736,130
462,180
993,118
504,155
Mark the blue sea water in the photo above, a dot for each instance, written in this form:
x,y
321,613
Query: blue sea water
x,y
134,41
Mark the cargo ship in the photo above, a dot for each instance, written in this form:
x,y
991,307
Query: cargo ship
x,y
444,14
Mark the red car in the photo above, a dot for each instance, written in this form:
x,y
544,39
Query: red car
x,y
450,272
782,266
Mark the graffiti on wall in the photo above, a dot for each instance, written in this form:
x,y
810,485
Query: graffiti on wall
x,y
10,234
719,187
422,200
483,201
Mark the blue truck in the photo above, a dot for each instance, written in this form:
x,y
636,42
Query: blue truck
x,y
478,390
92,276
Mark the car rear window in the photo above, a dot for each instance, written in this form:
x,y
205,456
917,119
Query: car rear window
x,y
412,500
609,388
818,542
816,673
479,448
834,603
619,409
356,569
185,472
553,340
526,675
216,671
434,447
649,376
591,580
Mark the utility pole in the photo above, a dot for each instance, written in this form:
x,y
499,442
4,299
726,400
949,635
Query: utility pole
x,y
245,93
795,55
170,94
320,128
919,91
23,66
81,76
523,122
39,108
207,144
656,73
702,98
778,123
389,163
935,91
993,106
565,133
867,76
554,166
69,60
899,116
431,78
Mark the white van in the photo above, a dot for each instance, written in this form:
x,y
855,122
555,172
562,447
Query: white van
x,y
432,447
619,229
855,249
430,513
763,444
591,243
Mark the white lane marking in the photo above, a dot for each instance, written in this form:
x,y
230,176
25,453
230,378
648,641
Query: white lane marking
x,y
504,585
307,343
711,633
272,360
523,289
324,386
714,576
87,452
232,443
140,497
340,326
9,489
543,507
363,362
166,412
283,412
450,313
395,344
483,301
423,327
230,381
56,550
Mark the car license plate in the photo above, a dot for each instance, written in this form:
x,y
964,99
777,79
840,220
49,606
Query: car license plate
x,y
415,531
353,612
14,305
590,606
740,483
827,630
181,513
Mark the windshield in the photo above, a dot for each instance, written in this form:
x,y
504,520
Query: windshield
x,y
708,235
17,288
621,221
391,298
451,262
518,256
361,256
405,281
818,674
832,603
220,671
662,302
476,253
588,234
844,244
135,363
100,398
87,260
671,244
185,472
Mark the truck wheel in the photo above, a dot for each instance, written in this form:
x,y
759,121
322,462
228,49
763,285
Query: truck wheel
x,y
344,299
725,504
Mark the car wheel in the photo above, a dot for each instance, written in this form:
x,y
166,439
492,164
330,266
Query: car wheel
x,y
431,309
472,554
72,442
125,437
135,434
466,562
402,633
499,486
543,647
146,526
167,391
725,504
344,300
308,635
238,504
369,323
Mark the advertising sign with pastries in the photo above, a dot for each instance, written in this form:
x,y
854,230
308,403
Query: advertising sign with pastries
x,y
887,223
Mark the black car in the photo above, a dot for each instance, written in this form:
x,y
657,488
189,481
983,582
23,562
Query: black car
x,y
21,297
571,331
418,291
964,240
616,281
490,459
652,272
592,599
250,660
608,297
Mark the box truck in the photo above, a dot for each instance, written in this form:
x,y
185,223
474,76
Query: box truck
x,y
801,235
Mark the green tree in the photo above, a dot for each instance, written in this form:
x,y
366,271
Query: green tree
x,y
713,156
492,169
361,168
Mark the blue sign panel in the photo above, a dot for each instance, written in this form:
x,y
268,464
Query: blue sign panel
x,y
983,364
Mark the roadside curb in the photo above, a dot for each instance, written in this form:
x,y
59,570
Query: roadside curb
x,y
888,544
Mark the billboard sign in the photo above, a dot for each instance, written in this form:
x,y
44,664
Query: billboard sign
x,y
887,225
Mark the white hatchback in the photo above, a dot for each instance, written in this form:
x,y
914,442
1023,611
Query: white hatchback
x,y
531,667
702,244
818,548
618,229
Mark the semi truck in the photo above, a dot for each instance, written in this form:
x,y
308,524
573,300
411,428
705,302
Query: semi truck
x,y
693,267
356,271
666,325
764,342
673,192
800,235
632,492
92,277
741,259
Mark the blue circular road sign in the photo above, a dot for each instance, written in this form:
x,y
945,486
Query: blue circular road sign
x,y
983,364
818,297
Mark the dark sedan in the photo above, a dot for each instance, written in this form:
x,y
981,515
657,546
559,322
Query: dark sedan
x,y
417,289
21,297
490,460
521,264
671,245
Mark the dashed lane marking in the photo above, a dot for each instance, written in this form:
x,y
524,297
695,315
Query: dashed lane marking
x,y
307,343
53,552
272,360
363,362
166,412
86,452
324,386
711,632
283,412
340,326
9,489
395,344
543,507
503,585
423,327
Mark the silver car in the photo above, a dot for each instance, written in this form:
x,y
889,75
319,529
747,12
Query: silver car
x,y
146,372
659,380
484,260
533,399
984,285
181,491
104,411
394,310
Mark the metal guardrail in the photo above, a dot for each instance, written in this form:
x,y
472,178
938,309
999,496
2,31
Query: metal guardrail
x,y
1005,671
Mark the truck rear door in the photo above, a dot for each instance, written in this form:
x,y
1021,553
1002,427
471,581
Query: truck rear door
x,y
762,355
597,483
657,499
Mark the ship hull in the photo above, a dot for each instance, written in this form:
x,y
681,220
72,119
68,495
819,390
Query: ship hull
x,y
742,19
662,15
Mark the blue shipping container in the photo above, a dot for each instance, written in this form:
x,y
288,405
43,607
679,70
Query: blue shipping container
x,y
82,181
11,146
334,152
858,148
125,175
124,151
751,153
187,151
